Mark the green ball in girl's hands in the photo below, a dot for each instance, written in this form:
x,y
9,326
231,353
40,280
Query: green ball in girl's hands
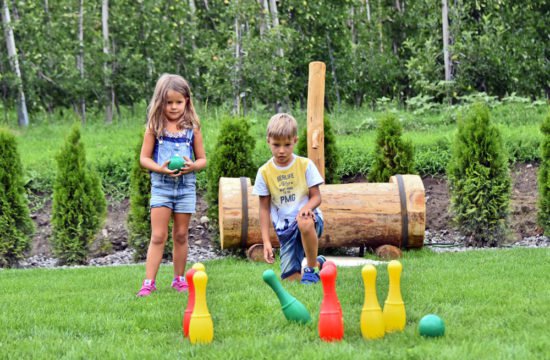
x,y
176,163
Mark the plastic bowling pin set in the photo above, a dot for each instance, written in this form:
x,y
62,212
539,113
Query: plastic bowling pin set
x,y
375,322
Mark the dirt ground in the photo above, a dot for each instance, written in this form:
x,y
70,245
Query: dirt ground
x,y
523,215
523,212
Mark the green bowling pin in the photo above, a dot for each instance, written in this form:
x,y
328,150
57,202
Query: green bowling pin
x,y
292,308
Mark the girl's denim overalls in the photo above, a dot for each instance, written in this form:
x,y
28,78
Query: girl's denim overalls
x,y
179,193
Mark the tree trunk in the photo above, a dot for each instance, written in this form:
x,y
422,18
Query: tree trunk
x,y
80,60
333,70
352,25
47,10
22,115
265,24
280,51
446,55
107,69
237,71
367,5
380,28
193,11
275,19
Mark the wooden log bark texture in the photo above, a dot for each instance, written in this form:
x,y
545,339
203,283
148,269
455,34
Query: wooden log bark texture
x,y
369,214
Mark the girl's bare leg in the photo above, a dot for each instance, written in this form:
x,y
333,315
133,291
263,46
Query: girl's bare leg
x,y
160,217
180,236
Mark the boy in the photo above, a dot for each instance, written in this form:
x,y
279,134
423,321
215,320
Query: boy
x,y
288,186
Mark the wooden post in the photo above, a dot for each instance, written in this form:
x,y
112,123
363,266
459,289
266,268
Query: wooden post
x,y
315,115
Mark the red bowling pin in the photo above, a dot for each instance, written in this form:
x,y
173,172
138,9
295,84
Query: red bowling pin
x,y
331,323
190,301
331,263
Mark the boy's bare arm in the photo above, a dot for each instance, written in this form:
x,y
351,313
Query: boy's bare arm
x,y
314,201
265,215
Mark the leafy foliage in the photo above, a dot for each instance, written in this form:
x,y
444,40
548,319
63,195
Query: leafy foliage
x,y
79,205
16,225
392,154
139,217
232,157
371,49
544,177
331,152
479,179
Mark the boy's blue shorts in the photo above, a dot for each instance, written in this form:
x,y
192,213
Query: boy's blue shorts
x,y
292,250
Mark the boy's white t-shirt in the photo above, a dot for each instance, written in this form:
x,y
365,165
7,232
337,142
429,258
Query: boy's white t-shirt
x,y
288,187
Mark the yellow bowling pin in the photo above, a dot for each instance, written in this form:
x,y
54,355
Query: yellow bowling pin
x,y
394,307
199,267
201,328
372,321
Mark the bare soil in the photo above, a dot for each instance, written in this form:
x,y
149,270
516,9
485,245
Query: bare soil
x,y
114,235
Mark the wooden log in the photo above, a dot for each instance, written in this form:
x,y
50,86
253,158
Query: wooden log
x,y
315,115
369,214
388,252
256,253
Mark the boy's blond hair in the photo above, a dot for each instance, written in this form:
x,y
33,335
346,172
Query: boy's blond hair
x,y
282,125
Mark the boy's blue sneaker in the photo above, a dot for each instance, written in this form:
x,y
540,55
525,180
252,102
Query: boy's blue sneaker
x,y
310,276
321,260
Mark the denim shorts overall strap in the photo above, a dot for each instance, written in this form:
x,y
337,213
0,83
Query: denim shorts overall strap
x,y
178,194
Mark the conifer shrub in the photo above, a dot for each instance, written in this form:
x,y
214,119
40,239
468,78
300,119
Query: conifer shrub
x,y
16,226
139,217
332,159
392,154
232,157
544,177
79,205
479,179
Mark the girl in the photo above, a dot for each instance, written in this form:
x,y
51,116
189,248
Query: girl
x,y
173,129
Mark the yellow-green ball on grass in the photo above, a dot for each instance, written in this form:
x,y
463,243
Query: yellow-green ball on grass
x,y
431,325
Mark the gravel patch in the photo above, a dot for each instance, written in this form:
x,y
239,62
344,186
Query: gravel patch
x,y
437,241
124,257
452,241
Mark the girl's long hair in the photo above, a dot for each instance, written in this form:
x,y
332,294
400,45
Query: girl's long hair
x,y
155,110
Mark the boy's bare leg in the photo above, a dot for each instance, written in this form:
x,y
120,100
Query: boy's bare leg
x,y
294,277
310,242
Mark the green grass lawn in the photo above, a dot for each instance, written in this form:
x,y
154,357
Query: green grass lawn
x,y
495,304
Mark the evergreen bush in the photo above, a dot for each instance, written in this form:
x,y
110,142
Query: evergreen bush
x,y
139,217
79,205
232,157
544,177
16,226
332,159
479,179
392,154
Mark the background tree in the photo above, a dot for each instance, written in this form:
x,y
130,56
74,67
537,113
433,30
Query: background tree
x,y
16,225
479,179
544,177
139,217
392,154
232,157
79,206
373,49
